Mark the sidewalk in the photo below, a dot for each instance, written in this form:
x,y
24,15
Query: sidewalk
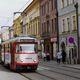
x,y
52,62
75,66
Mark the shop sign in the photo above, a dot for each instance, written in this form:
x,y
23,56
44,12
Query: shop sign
x,y
42,41
53,39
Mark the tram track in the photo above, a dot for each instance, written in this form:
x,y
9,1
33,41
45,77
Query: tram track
x,y
25,76
53,70
65,68
62,73
37,73
46,76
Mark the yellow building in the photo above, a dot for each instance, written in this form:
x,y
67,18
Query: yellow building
x,y
17,26
31,19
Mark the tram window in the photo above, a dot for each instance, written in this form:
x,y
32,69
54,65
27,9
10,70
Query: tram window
x,y
20,48
25,48
17,48
36,48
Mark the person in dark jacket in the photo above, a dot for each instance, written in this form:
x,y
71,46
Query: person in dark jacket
x,y
47,56
63,56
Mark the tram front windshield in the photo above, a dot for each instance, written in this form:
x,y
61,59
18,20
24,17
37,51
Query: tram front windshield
x,y
26,48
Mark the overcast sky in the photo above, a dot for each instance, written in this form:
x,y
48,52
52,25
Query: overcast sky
x,y
8,7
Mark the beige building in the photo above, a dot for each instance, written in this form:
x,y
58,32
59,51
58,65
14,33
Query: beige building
x,y
30,17
17,26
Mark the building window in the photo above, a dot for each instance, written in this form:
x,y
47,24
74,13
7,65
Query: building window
x,y
73,1
70,1
42,29
47,7
62,3
55,21
47,26
67,2
35,28
74,22
52,4
63,23
55,4
52,26
68,23
42,11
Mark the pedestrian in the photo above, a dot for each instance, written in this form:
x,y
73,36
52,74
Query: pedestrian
x,y
59,57
63,56
47,56
44,56
74,54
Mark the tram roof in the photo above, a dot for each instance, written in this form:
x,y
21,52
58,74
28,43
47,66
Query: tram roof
x,y
18,38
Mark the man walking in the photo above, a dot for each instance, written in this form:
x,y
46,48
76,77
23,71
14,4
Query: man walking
x,y
63,56
59,57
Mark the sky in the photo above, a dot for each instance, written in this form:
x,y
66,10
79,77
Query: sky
x,y
8,7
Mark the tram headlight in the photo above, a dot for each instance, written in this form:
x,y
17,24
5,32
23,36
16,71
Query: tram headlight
x,y
35,60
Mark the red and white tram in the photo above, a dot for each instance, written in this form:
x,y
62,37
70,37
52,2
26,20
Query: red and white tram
x,y
20,53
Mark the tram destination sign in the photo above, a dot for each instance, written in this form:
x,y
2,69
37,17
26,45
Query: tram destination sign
x,y
27,40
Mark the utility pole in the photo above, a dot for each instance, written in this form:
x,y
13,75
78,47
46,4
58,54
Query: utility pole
x,y
57,26
77,21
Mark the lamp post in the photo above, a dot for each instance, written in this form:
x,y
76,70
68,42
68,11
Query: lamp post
x,y
77,23
15,35
21,23
57,25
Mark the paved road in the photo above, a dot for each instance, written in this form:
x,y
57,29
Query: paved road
x,y
6,74
46,71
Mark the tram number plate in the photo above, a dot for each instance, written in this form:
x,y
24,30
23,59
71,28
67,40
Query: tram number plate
x,y
28,67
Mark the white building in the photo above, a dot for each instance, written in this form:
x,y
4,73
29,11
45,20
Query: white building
x,y
5,33
67,25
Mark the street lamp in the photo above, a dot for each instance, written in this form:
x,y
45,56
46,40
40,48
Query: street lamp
x,y
21,13
77,23
15,14
57,26
15,35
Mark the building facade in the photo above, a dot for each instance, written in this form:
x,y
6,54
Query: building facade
x,y
11,31
17,26
68,28
31,19
48,24
4,33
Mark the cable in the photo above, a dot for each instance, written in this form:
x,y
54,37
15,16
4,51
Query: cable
x,y
24,5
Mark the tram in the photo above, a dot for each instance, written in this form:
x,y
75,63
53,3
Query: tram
x,y
20,53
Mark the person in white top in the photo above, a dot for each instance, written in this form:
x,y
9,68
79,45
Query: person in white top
x,y
59,57
44,56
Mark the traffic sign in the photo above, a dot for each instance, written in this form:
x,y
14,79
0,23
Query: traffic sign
x,y
70,39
